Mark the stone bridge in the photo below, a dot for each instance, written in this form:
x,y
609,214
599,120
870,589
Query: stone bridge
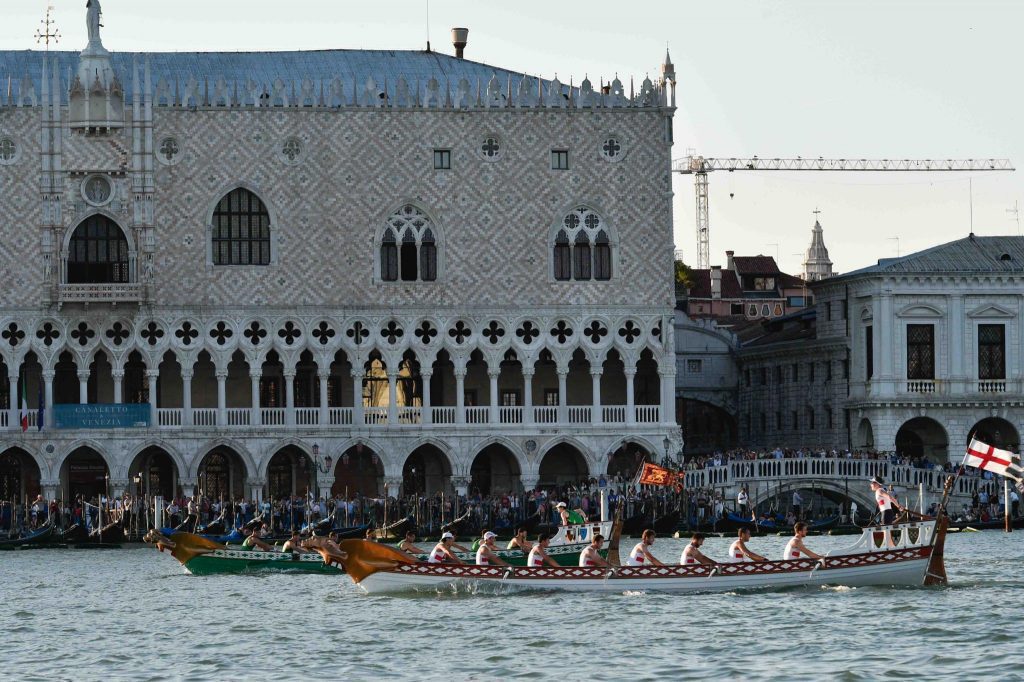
x,y
839,479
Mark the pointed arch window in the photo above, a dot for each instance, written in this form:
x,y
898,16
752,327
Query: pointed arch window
x,y
98,253
582,249
388,257
241,230
408,247
563,266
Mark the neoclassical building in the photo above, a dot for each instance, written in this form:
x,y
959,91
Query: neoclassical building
x,y
250,274
935,345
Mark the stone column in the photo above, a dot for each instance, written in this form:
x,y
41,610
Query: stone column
x,y
596,417
393,488
392,397
222,397
357,397
529,481
887,349
186,396
254,379
323,377
428,413
668,397
48,375
563,402
188,489
151,377
118,376
460,395
51,490
955,323
527,395
12,405
461,484
83,388
493,374
255,486
289,396
630,373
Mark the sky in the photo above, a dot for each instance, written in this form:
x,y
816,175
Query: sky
x,y
773,78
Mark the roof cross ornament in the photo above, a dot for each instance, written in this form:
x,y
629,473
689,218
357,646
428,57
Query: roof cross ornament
x,y
816,212
45,35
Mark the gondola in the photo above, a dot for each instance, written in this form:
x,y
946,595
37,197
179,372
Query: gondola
x,y
235,537
78,535
455,527
996,524
636,524
44,535
396,530
351,532
667,524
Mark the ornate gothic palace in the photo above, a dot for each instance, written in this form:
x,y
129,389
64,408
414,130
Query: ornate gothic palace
x,y
250,274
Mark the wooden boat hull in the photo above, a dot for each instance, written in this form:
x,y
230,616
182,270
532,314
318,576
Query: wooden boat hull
x,y
245,561
906,567
902,554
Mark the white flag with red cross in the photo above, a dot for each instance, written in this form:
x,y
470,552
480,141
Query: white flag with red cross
x,y
990,458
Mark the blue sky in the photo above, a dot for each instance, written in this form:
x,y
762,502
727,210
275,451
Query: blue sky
x,y
885,79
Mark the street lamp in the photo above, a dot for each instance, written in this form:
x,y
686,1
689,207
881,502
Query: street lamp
x,y
666,443
327,461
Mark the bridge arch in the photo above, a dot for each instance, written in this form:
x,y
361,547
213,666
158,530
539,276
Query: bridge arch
x,y
856,490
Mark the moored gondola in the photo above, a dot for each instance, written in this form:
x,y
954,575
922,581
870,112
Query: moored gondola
x,y
44,535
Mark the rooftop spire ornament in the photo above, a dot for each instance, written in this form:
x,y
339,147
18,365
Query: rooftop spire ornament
x,y
45,35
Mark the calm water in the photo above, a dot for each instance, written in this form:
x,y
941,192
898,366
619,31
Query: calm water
x,y
135,614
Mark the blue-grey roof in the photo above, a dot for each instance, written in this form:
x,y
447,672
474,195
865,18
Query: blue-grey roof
x,y
265,67
968,255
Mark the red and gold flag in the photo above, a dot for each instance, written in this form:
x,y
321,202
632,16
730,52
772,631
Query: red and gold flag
x,y
652,474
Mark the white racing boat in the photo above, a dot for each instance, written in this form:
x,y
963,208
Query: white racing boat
x,y
913,557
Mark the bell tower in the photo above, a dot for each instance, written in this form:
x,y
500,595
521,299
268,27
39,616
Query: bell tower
x,y
817,265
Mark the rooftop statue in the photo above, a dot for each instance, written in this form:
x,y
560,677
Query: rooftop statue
x,y
92,21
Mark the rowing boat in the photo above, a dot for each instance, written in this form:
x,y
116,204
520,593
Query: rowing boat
x,y
915,558
200,556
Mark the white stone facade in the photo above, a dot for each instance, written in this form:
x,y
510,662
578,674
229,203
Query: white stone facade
x,y
250,359
923,375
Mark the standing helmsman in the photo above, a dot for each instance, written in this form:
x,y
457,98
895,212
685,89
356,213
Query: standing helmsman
x,y
887,504
742,500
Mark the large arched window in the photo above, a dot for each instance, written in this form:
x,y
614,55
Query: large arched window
x,y
408,247
98,253
241,230
582,249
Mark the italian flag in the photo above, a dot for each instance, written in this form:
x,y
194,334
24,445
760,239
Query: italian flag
x,y
24,407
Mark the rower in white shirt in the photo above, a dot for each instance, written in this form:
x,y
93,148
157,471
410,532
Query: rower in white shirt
x,y
738,551
641,555
692,554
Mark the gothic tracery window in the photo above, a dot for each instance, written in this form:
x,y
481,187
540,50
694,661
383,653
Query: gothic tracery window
x,y
582,248
408,247
241,230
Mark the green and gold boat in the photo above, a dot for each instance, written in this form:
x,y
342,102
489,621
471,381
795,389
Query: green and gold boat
x,y
200,556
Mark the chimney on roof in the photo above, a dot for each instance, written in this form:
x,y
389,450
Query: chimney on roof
x,y
459,38
716,282
729,263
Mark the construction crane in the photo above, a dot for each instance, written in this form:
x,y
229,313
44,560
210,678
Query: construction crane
x,y
700,166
